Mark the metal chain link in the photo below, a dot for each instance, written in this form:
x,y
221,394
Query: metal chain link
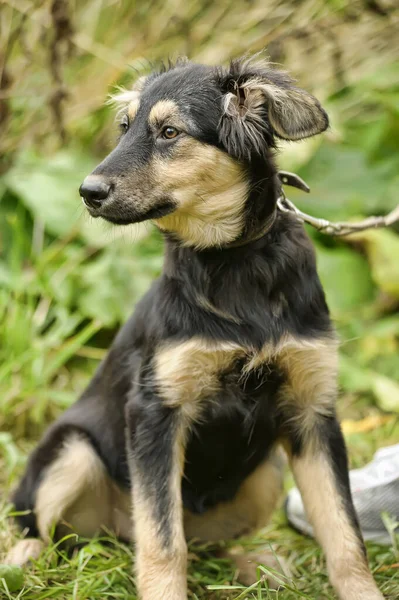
x,y
323,225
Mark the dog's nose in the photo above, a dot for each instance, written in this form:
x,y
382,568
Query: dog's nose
x,y
94,191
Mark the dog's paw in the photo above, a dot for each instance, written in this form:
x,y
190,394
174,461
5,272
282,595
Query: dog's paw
x,y
24,551
247,566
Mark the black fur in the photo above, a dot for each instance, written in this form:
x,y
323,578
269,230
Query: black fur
x,y
266,286
252,275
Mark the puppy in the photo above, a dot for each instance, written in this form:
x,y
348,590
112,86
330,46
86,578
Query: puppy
x,y
229,356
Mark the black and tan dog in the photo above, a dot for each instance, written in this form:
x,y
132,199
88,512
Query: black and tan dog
x,y
230,355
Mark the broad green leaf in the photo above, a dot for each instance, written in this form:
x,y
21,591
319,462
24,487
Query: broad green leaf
x,y
382,248
343,184
386,392
49,188
355,378
111,283
346,279
13,577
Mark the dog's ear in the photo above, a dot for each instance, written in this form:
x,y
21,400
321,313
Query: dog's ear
x,y
259,103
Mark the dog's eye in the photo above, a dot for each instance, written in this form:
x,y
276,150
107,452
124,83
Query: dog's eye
x,y
169,133
124,124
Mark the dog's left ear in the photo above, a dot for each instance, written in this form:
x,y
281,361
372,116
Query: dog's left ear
x,y
260,103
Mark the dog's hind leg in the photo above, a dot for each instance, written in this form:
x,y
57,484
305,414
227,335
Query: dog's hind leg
x,y
251,508
73,496
249,511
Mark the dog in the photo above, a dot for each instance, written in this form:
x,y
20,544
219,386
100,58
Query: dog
x,y
229,357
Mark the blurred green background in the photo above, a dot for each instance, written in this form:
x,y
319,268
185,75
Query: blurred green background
x,y
67,282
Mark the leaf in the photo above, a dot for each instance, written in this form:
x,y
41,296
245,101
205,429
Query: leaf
x,y
382,248
343,184
386,392
115,280
13,577
346,279
49,189
352,376
355,378
369,423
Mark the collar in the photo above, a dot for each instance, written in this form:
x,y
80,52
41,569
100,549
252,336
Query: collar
x,y
256,235
284,178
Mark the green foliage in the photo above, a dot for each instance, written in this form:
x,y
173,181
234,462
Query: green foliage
x,y
67,282
12,577
338,269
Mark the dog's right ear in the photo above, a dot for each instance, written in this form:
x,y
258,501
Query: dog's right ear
x,y
260,103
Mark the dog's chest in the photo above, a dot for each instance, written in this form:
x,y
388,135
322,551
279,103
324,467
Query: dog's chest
x,y
231,402
195,370
233,399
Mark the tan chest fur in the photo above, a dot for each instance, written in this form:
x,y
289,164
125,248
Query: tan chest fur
x,y
188,372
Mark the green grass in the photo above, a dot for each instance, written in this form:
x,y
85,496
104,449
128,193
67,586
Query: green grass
x,y
56,321
104,567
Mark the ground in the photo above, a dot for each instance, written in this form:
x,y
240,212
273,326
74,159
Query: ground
x,y
103,568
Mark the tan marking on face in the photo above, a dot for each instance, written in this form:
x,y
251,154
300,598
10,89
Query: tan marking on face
x,y
250,509
161,571
133,108
210,189
165,112
188,372
347,567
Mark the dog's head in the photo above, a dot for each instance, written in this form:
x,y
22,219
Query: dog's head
x,y
189,135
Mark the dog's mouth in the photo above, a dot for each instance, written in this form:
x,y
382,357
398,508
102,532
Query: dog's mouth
x,y
121,213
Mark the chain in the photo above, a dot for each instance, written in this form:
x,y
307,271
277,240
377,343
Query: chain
x,y
323,225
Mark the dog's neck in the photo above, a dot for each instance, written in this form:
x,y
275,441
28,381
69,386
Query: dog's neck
x,y
201,273
260,208
239,214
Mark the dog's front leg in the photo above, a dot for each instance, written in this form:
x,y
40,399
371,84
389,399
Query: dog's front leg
x,y
319,462
156,443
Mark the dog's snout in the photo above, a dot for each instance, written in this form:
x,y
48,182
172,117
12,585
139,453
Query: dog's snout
x,y
94,191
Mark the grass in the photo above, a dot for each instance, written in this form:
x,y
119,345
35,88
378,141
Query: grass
x,y
103,568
